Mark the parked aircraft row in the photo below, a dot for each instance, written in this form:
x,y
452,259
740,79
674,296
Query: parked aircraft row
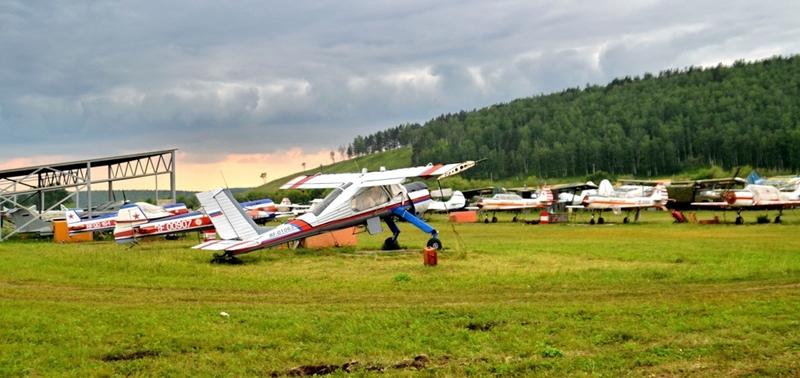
x,y
370,198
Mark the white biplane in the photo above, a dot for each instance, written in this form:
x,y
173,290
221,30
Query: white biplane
x,y
363,198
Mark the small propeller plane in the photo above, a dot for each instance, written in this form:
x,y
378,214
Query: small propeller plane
x,y
515,203
142,219
607,199
757,197
357,199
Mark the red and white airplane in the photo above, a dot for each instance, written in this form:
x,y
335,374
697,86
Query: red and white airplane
x,y
515,203
78,225
757,197
608,199
363,198
143,219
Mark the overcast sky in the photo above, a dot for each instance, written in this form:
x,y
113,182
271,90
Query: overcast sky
x,y
253,84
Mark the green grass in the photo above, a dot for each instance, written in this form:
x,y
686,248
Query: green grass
x,y
645,299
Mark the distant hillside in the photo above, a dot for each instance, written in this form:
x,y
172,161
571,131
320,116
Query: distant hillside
x,y
747,114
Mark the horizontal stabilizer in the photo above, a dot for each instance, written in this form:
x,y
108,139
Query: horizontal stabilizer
x,y
216,245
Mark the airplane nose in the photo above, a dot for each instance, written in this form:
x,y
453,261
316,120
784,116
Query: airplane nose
x,y
585,202
480,204
730,198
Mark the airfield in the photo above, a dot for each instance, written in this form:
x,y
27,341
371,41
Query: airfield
x,y
509,299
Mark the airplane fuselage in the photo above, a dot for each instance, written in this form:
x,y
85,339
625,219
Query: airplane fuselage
x,y
342,211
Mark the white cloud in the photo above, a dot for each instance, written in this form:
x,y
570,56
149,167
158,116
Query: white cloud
x,y
214,79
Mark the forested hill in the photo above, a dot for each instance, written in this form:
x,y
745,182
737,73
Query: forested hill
x,y
653,125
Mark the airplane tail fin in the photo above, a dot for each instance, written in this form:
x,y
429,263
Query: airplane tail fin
x,y
126,217
72,216
548,195
228,217
753,178
457,200
660,193
605,188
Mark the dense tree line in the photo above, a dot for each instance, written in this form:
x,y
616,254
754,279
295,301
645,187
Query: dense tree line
x,y
653,125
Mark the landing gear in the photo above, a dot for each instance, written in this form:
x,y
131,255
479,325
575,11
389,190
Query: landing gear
x,y
494,219
225,259
591,221
390,244
435,244
739,220
515,219
778,219
625,220
601,220
486,219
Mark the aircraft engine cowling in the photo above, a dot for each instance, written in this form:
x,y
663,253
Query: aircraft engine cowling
x,y
739,198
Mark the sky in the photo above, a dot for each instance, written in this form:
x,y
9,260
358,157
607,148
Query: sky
x,y
242,88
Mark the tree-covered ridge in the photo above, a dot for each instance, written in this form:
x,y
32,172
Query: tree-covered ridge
x,y
744,114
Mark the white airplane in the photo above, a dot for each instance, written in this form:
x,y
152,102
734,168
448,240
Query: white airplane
x,y
456,201
358,199
515,203
608,199
757,197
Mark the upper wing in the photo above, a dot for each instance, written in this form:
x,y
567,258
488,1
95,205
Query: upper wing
x,y
320,181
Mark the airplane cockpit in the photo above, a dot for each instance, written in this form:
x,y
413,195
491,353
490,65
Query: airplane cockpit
x,y
369,197
330,198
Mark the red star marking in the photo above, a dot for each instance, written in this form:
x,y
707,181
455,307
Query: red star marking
x,y
70,216
135,216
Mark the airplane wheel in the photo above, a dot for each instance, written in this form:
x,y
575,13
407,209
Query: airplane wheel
x,y
739,220
778,219
514,220
494,219
625,220
601,220
486,220
435,244
225,259
591,221
390,245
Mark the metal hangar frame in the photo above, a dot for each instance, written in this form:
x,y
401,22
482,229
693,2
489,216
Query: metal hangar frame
x,y
36,180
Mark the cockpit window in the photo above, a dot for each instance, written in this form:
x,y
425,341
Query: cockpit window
x,y
369,197
330,198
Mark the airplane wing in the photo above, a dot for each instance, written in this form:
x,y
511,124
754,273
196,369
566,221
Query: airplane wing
x,y
322,181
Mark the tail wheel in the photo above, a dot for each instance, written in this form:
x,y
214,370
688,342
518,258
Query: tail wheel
x,y
435,244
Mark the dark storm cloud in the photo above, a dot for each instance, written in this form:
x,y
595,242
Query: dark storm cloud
x,y
249,76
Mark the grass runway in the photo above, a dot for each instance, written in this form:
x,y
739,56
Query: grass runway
x,y
507,299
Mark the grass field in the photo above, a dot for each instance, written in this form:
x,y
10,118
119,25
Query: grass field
x,y
649,299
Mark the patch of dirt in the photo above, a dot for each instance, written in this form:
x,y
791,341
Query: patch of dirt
x,y
138,355
418,362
